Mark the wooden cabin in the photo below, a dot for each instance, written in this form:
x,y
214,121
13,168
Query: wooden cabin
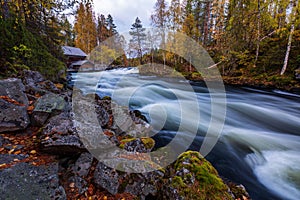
x,y
83,65
73,55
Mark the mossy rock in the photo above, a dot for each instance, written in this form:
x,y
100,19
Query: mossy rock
x,y
108,98
126,141
147,143
196,178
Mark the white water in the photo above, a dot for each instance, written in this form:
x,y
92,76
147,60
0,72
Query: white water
x,y
260,142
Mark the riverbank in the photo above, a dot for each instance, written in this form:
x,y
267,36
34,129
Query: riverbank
x,y
262,81
41,149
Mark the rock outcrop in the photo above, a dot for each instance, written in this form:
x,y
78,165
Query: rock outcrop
x,y
13,105
24,181
48,105
75,173
193,177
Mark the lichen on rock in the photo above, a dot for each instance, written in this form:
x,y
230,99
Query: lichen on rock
x,y
193,177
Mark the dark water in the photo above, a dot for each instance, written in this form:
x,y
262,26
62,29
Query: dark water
x,y
260,139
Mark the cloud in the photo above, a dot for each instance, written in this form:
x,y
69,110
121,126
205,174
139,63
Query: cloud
x,y
124,12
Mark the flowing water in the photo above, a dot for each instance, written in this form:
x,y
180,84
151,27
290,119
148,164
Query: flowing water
x,y
260,142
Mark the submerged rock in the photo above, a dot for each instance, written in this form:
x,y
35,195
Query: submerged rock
x,y
13,106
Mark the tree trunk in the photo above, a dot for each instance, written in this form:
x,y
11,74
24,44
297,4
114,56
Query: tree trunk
x,y
287,55
258,33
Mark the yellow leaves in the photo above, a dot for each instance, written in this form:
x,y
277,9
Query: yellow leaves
x,y
11,151
59,86
4,165
33,152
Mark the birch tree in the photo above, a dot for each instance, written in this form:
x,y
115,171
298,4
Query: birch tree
x,y
293,19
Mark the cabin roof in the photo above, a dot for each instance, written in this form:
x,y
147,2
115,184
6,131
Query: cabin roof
x,y
73,51
80,62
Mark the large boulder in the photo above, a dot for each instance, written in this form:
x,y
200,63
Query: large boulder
x,y
107,178
36,84
193,177
13,105
24,181
114,181
60,137
48,105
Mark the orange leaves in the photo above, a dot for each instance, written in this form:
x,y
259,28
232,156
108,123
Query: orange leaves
x,y
30,109
59,86
32,152
26,144
10,100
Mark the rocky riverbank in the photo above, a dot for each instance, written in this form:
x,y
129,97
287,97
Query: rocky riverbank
x,y
42,155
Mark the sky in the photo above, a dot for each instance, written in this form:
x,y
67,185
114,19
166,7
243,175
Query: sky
x,y
124,12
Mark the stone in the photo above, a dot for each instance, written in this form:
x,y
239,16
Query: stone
x,y
31,77
8,158
141,145
193,177
36,84
13,106
83,164
59,137
2,141
107,178
137,184
143,185
24,181
79,183
46,106
14,89
102,115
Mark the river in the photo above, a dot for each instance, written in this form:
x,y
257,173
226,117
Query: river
x,y
259,145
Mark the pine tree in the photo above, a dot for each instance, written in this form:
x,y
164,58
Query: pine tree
x,y
111,26
138,39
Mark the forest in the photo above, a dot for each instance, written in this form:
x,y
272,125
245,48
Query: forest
x,y
256,41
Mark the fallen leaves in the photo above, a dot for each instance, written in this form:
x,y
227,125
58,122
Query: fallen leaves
x,y
59,86
33,152
10,100
24,143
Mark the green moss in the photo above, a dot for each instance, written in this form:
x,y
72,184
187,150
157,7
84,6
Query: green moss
x,y
207,184
177,182
125,141
106,98
148,142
